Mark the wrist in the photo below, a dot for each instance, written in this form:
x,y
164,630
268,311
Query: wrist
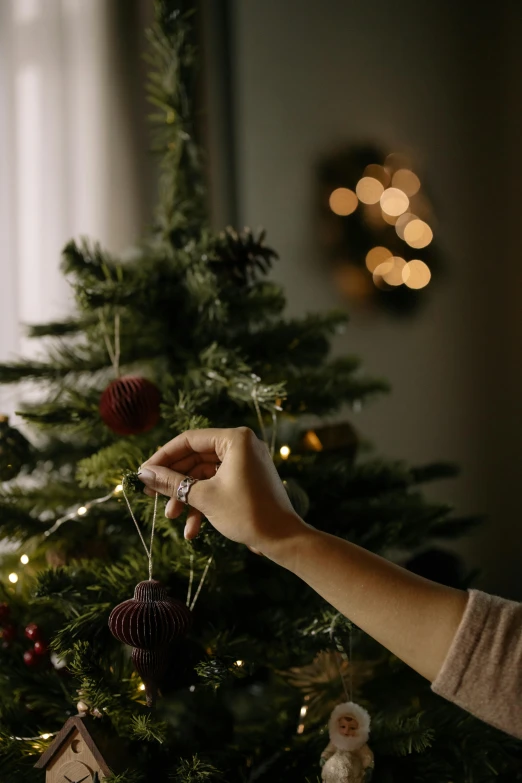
x,y
287,549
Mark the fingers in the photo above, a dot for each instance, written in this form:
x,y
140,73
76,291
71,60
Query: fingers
x,y
166,482
175,507
208,441
193,525
188,464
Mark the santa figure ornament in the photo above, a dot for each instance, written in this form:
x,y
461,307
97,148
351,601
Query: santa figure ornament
x,y
347,758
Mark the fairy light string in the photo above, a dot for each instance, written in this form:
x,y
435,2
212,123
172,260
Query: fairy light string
x,y
80,511
44,737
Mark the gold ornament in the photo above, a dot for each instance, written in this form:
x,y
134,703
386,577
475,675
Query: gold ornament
x,y
319,680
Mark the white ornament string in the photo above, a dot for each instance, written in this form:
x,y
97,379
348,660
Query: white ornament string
x,y
117,343
148,549
274,433
201,582
191,579
340,650
277,408
114,351
259,414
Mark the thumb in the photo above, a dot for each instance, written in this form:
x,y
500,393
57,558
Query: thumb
x,y
166,482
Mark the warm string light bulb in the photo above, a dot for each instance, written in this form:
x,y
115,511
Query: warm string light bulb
x,y
24,559
239,663
45,736
285,452
82,510
13,578
142,687
302,715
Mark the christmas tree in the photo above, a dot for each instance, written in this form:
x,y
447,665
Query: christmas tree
x,y
191,333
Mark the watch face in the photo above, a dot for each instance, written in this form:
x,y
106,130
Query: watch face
x,y
75,772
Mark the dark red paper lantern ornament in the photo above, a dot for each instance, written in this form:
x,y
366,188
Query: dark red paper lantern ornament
x,y
130,405
149,623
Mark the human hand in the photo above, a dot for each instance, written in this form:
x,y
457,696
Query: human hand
x,y
238,488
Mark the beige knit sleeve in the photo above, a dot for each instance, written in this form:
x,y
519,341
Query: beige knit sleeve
x,y
483,669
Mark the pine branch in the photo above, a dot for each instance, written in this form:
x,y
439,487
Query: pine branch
x,y
321,390
238,258
435,471
106,467
170,89
455,527
219,670
401,735
65,328
147,729
129,776
301,343
195,770
86,261
17,524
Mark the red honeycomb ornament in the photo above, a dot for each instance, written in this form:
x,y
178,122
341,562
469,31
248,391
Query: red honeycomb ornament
x,y
149,623
130,405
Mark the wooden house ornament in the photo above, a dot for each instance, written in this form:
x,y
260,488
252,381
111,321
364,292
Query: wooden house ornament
x,y
75,756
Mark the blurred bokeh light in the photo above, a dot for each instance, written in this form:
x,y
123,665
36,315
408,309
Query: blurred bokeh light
x,y
407,181
394,202
416,274
343,201
369,190
377,255
417,234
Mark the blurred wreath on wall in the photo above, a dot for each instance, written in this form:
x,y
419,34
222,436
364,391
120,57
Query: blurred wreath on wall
x,y
376,228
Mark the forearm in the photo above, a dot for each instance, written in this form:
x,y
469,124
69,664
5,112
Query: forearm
x,y
412,617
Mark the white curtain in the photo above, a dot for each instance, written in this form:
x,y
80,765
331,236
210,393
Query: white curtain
x,y
67,162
